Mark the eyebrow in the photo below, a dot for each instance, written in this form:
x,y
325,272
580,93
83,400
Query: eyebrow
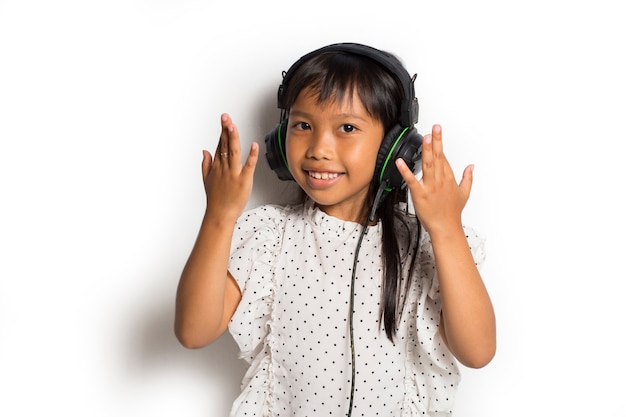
x,y
340,115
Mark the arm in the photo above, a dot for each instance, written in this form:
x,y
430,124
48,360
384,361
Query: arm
x,y
207,294
468,320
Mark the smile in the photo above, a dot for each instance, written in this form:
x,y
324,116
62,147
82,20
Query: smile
x,y
323,175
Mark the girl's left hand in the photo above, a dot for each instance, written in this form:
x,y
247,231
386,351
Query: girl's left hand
x,y
437,198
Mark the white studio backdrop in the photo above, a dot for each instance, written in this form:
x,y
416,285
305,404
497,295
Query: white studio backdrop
x,y
105,107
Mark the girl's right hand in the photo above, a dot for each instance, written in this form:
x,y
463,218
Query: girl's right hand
x,y
228,182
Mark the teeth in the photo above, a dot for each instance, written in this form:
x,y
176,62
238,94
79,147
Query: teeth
x,y
323,175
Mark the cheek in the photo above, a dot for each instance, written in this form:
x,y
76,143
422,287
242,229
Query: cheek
x,y
295,151
291,151
360,162
363,157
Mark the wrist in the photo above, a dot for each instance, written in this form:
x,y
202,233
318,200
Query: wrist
x,y
446,232
219,220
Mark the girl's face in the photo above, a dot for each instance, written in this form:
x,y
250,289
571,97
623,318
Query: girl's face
x,y
331,151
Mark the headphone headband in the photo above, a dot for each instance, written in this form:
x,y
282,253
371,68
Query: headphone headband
x,y
409,108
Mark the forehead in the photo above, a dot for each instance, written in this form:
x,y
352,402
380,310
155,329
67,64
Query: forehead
x,y
339,99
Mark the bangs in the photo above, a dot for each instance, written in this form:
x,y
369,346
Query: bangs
x,y
335,77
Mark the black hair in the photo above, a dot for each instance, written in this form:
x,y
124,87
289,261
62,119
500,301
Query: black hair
x,y
334,76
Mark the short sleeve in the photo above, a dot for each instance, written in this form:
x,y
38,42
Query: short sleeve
x,y
427,258
432,387
255,244
477,246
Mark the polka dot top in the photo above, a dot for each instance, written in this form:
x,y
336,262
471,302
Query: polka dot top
x,y
293,265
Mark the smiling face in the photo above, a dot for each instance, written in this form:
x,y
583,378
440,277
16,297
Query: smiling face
x,y
331,151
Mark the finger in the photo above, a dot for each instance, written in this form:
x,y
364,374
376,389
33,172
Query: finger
x,y
253,157
437,142
206,163
233,143
466,181
222,152
439,158
427,158
230,147
407,174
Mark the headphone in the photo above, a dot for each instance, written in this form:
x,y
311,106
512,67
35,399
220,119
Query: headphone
x,y
401,141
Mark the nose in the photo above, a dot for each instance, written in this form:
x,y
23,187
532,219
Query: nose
x,y
321,145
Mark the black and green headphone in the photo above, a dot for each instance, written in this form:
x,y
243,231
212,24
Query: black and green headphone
x,y
401,141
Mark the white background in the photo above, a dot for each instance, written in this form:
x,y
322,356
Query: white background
x,y
105,107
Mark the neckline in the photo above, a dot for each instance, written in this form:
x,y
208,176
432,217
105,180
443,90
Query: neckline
x,y
328,223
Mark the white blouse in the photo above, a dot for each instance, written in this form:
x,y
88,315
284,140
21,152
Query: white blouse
x,y
293,265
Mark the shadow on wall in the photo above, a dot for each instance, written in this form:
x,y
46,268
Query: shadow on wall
x,y
214,370
268,189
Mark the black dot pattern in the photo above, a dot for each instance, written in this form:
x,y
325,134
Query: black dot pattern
x,y
294,267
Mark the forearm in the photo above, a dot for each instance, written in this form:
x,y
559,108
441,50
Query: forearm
x,y
204,299
468,319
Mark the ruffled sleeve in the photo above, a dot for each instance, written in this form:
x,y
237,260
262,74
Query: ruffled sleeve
x,y
427,258
255,244
433,384
477,246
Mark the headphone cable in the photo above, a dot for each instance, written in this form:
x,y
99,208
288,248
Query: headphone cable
x,y
380,196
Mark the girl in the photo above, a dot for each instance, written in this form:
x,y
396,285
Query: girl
x,y
344,303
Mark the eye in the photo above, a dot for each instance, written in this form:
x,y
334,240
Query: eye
x,y
302,126
348,128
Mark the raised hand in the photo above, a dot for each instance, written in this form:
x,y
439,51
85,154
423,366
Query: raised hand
x,y
228,181
207,294
468,321
437,198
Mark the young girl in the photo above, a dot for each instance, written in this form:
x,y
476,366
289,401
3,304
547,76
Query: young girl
x,y
345,303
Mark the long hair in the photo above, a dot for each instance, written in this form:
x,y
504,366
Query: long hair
x,y
334,76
